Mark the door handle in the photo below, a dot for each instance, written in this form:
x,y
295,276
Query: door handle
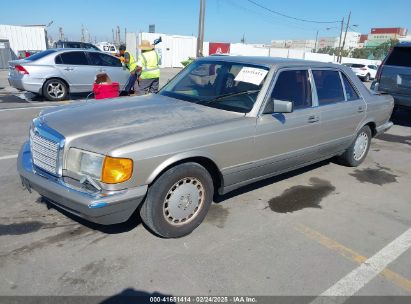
x,y
69,69
313,118
360,109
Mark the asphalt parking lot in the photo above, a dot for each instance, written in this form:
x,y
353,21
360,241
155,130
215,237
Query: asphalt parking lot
x,y
302,233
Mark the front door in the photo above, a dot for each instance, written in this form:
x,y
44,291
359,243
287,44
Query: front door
x,y
110,65
285,141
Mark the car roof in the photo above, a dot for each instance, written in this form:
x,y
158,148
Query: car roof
x,y
62,50
269,61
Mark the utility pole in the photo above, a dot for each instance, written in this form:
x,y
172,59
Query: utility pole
x,y
243,39
61,34
82,33
340,40
200,38
316,41
345,36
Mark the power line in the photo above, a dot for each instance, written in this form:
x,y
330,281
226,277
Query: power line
x,y
266,18
287,16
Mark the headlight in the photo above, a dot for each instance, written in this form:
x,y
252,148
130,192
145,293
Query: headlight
x,y
86,163
109,170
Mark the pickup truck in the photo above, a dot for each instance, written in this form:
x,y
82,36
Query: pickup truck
x,y
223,122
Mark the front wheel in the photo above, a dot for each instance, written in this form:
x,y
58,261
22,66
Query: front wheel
x,y
358,150
178,201
367,78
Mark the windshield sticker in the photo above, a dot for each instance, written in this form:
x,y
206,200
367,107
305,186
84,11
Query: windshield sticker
x,y
251,75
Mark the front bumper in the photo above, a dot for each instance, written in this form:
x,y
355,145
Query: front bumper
x,y
102,208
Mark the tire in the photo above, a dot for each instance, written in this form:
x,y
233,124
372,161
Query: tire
x,y
55,89
358,150
169,209
367,78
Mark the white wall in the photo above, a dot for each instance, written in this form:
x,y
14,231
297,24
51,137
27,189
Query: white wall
x,y
173,48
24,37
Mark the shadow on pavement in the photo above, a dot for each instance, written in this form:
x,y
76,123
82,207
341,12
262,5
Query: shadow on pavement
x,y
401,117
130,224
131,295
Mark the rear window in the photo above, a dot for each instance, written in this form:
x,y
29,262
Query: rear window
x,y
329,86
40,55
400,56
356,65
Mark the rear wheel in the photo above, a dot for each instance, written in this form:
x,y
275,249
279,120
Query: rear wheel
x,y
358,150
178,201
55,89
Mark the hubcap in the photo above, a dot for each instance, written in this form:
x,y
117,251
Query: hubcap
x,y
183,201
360,146
55,89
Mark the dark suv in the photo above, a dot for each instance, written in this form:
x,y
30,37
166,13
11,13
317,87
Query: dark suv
x,y
74,45
394,75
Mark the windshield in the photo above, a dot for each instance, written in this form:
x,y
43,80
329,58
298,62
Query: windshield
x,y
224,85
40,55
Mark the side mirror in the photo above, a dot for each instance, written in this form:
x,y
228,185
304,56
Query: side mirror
x,y
279,106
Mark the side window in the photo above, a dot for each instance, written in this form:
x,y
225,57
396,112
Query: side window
x,y
104,60
349,89
58,60
293,86
74,58
329,87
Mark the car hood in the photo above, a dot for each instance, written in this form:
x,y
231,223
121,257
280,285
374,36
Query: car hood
x,y
102,126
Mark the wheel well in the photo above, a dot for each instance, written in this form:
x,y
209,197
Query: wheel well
x,y
373,128
207,163
65,82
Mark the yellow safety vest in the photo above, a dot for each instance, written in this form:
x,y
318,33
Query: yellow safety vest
x,y
132,63
150,65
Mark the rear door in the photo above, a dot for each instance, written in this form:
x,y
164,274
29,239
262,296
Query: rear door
x,y
396,73
341,109
111,65
75,68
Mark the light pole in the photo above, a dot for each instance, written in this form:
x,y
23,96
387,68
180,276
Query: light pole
x,y
200,37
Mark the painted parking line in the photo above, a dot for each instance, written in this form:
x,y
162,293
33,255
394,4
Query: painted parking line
x,y
8,156
26,108
368,269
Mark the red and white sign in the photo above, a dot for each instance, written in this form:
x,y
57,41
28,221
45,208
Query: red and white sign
x,y
218,48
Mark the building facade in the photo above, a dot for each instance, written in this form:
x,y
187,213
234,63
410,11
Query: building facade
x,y
379,36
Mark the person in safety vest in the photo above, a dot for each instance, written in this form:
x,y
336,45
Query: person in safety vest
x,y
131,65
148,65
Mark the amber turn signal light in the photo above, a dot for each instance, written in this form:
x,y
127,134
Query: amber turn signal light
x,y
116,170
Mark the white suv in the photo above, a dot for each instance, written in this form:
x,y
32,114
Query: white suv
x,y
365,72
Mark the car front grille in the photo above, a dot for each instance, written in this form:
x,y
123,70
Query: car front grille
x,y
45,153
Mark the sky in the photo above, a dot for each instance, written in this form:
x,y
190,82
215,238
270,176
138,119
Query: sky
x,y
226,20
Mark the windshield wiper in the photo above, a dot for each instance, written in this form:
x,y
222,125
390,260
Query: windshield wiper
x,y
230,95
